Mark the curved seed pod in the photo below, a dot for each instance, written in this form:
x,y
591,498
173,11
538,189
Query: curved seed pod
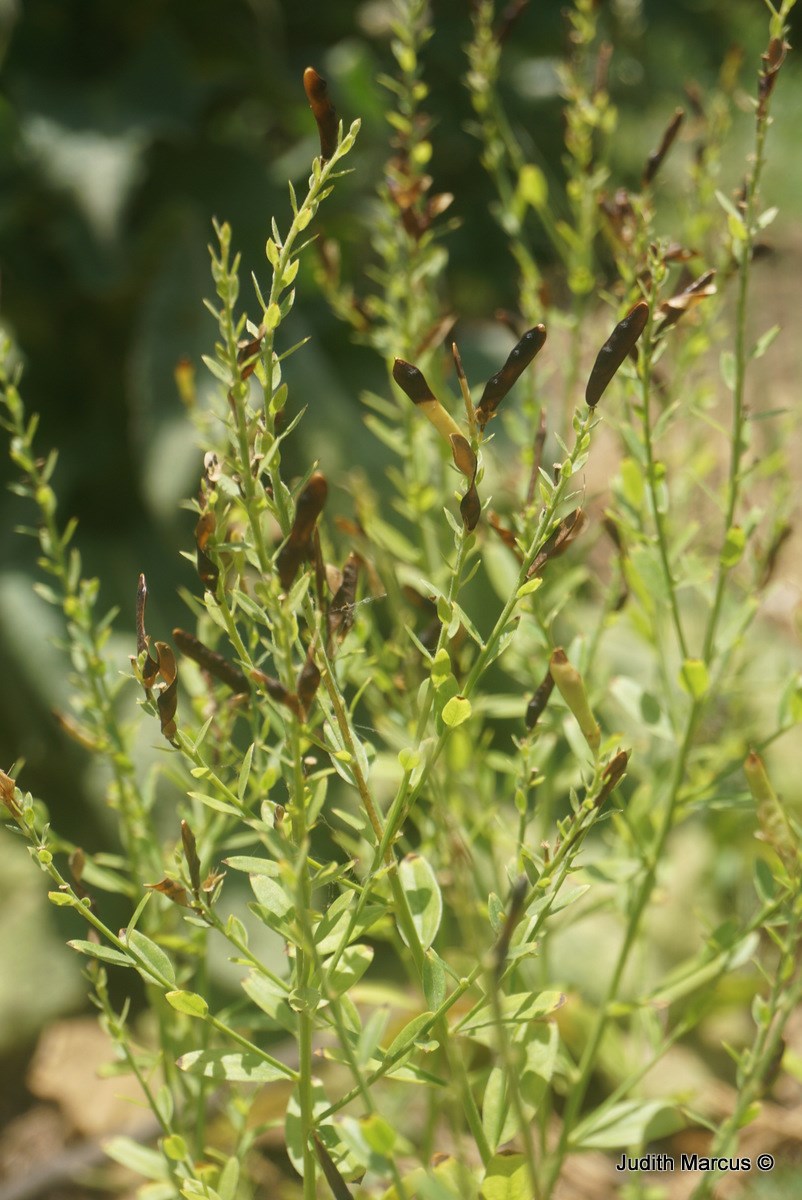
x,y
612,776
499,384
300,544
537,705
413,384
276,690
307,684
655,159
566,532
615,350
341,610
211,661
324,112
150,667
673,308
572,689
207,570
167,699
470,506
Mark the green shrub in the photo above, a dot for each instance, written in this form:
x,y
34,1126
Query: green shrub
x,y
426,787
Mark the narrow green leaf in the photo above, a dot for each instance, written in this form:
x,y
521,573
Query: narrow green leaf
x,y
408,1034
154,956
423,897
244,772
629,1123
104,953
138,1158
236,1067
189,1003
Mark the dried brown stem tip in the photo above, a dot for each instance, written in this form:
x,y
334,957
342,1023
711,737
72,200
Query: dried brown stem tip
x,y
772,60
324,112
499,384
299,546
655,159
537,705
211,661
620,342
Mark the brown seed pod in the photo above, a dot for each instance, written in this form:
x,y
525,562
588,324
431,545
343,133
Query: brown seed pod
x,y
207,570
655,159
341,610
470,506
772,60
307,684
673,308
299,546
275,690
618,345
172,890
167,699
324,112
150,667
612,776
566,532
537,705
499,384
518,894
211,661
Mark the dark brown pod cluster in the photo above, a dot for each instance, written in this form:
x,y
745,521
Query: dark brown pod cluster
x,y
619,344
499,384
300,545
324,112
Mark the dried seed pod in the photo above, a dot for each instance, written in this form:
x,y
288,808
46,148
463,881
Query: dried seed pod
x,y
566,532
413,384
537,705
470,506
673,308
150,667
317,93
307,684
299,546
572,689
772,60
655,159
207,570
172,889
341,610
211,661
612,775
276,690
191,856
620,342
167,699
8,795
499,384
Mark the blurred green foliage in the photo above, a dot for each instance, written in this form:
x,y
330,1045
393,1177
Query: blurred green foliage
x,y
123,129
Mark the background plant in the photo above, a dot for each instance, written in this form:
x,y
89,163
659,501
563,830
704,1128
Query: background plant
x,y
347,746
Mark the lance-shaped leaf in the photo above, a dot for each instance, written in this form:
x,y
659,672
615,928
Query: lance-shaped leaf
x,y
572,689
299,546
673,308
499,384
211,661
537,705
655,159
207,570
324,112
566,532
620,342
